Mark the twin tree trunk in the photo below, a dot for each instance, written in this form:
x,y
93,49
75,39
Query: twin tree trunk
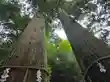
x,y
29,54
87,48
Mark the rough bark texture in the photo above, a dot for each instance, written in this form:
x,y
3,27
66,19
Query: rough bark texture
x,y
28,52
87,48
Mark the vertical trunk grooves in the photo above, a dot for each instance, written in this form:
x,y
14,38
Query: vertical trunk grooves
x,y
28,52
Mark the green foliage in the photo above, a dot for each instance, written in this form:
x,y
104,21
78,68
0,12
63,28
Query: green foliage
x,y
61,57
11,19
8,9
48,5
51,49
20,21
13,24
64,46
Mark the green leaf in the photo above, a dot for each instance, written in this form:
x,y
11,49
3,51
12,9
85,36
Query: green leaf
x,y
65,47
8,10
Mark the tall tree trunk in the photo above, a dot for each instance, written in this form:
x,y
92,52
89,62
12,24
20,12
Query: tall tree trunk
x,y
28,56
87,48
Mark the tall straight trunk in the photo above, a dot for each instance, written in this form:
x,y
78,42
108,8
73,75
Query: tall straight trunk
x,y
28,56
87,48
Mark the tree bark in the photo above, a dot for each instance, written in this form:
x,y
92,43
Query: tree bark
x,y
29,54
87,48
